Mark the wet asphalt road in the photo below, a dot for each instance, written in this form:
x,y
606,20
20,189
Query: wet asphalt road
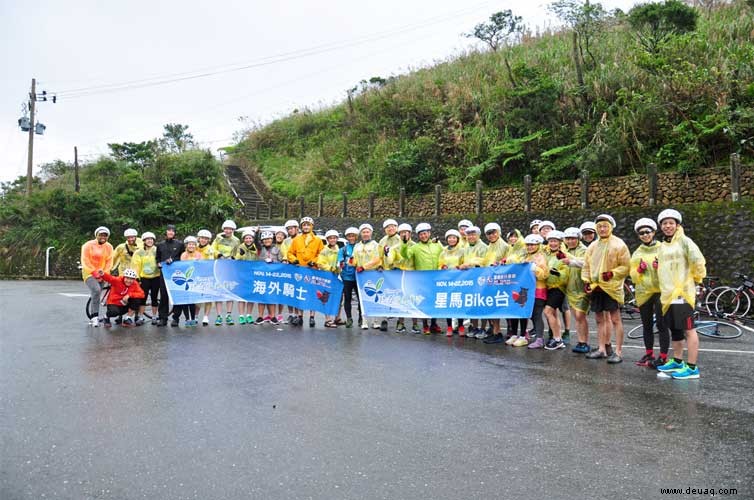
x,y
256,412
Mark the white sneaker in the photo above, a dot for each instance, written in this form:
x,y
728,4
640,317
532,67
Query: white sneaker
x,y
466,323
365,326
94,322
511,340
205,320
482,335
454,323
375,325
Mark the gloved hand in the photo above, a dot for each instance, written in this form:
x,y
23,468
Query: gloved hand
x,y
100,273
587,288
386,250
554,272
655,264
503,261
443,267
560,255
342,264
405,238
312,264
242,251
607,276
360,269
642,267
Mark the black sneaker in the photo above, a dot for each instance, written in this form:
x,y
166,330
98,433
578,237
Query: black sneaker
x,y
174,322
415,329
646,360
550,345
400,328
495,339
311,322
294,321
658,361
383,325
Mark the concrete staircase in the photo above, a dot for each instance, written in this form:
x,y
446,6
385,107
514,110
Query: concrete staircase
x,y
246,193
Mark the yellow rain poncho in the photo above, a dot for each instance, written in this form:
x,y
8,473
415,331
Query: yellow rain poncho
x,y
475,255
607,255
396,261
496,251
541,271
680,266
392,242
577,297
327,260
556,281
647,283
451,258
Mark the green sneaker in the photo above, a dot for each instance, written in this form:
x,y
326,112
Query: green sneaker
x,y
671,366
241,319
686,373
249,319
229,319
219,320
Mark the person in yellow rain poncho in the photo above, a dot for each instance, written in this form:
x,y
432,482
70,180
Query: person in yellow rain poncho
x,y
535,256
367,256
144,262
497,251
475,255
577,297
327,260
124,252
605,269
463,225
516,254
451,257
204,237
396,261
389,243
556,287
644,265
680,266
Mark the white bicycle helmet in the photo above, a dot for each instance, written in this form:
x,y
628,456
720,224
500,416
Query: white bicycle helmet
x,y
130,232
588,226
464,223
189,239
148,234
533,239
405,227
351,230
492,226
535,222
365,226
266,235
423,226
473,229
572,232
389,222
247,233
203,233
555,234
452,232
670,213
606,217
645,222
101,229
331,232
291,223
307,220
229,223
130,273
547,223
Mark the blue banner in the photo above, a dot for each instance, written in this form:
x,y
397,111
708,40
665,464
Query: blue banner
x,y
481,292
197,281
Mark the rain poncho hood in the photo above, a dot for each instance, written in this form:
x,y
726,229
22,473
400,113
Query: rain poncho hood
x,y
647,283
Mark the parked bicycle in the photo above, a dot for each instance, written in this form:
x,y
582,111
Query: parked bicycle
x,y
736,301
712,328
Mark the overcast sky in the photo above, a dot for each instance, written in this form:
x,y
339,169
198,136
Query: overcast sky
x,y
263,59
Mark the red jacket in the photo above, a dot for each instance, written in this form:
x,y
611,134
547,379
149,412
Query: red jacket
x,y
118,289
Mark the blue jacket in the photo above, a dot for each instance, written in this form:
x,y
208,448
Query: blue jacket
x,y
348,272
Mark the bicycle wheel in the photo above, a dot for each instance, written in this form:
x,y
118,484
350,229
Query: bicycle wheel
x,y
733,301
707,303
718,330
89,314
636,332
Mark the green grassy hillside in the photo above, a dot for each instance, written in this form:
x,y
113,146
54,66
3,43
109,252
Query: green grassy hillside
x,y
689,105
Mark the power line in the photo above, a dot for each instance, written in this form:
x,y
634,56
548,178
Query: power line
x,y
265,61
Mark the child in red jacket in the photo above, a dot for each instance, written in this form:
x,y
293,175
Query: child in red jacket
x,y
125,295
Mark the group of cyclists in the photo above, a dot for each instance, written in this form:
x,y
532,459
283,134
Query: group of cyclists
x,y
577,271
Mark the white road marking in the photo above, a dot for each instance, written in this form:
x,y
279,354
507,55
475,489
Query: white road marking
x,y
732,351
73,294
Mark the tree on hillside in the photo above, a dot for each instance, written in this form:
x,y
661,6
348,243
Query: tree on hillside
x,y
655,23
503,28
587,20
141,154
176,138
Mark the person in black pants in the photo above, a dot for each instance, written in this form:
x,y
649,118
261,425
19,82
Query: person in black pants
x,y
167,251
348,274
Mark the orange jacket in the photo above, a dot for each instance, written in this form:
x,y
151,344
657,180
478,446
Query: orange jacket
x,y
304,249
118,289
95,257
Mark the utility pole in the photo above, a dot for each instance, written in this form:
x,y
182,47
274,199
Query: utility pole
x,y
76,168
32,104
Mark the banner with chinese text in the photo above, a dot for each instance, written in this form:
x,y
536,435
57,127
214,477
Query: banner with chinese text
x,y
197,281
482,292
